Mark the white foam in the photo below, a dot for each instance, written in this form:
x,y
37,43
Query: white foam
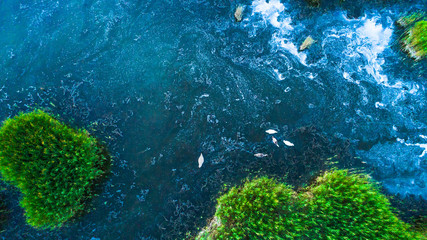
x,y
346,75
310,75
376,33
372,39
379,105
365,41
270,11
421,145
366,38
273,13
279,75
290,47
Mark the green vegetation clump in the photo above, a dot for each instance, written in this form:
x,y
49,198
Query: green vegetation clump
x,y
339,205
256,210
54,166
414,41
406,21
343,205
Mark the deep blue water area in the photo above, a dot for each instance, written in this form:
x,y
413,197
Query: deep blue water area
x,y
161,82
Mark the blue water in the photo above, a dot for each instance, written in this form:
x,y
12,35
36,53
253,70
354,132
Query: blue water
x,y
161,82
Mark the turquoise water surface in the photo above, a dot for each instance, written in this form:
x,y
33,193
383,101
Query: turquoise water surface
x,y
161,82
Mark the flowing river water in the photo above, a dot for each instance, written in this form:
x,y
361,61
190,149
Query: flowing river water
x,y
161,82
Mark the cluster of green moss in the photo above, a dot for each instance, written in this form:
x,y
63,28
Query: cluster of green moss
x,y
407,20
54,166
339,205
414,41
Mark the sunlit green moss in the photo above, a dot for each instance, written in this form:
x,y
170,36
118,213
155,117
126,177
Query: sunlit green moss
x,y
406,21
348,206
54,166
339,205
257,210
414,41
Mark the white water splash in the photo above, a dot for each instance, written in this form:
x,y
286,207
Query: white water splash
x,y
365,40
421,145
372,39
273,13
270,12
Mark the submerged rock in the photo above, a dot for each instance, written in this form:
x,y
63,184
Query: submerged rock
x,y
314,3
239,13
307,43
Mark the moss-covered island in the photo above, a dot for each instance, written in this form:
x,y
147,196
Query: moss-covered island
x,y
414,40
54,166
339,205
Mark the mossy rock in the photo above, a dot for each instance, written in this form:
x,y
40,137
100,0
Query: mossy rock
x,y
339,205
414,40
408,20
54,166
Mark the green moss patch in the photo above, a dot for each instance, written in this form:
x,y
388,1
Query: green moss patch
x,y
54,166
339,205
414,40
406,21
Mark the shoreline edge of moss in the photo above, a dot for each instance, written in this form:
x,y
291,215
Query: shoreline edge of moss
x,y
339,205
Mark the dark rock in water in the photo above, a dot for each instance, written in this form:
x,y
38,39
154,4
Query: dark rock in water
x,y
314,3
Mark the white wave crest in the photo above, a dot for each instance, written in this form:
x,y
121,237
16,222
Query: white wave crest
x,y
372,39
273,13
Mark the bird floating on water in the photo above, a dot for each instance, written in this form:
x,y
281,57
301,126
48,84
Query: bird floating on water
x,y
275,141
271,131
287,143
260,155
201,160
